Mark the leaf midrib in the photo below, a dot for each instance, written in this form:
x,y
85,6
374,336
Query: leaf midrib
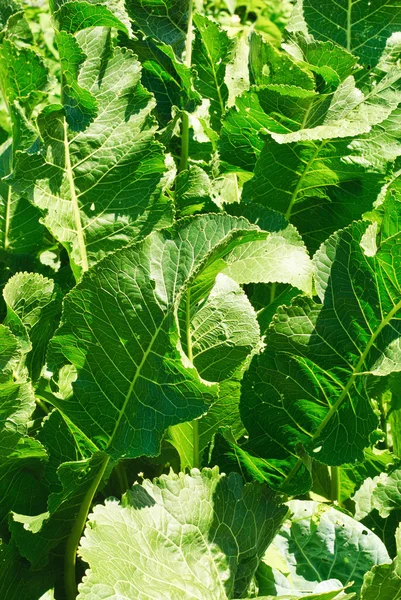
x,y
74,202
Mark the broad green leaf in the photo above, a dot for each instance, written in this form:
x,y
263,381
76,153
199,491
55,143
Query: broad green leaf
x,y
17,582
269,65
319,547
280,108
213,49
383,582
193,192
72,16
326,59
33,311
360,26
166,21
307,393
99,188
37,536
182,533
20,230
79,104
23,77
163,74
130,350
352,111
22,458
224,331
382,493
319,186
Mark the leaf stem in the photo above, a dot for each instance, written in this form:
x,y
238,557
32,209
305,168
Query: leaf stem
x,y
195,422
349,24
122,477
185,117
70,556
335,484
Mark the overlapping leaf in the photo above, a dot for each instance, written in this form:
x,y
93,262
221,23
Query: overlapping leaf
x,y
307,393
120,332
319,549
183,533
99,188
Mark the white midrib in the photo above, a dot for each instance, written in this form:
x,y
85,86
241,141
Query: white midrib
x,y
74,202
7,220
355,373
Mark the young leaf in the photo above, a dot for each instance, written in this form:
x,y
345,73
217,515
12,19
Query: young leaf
x,y
33,311
183,533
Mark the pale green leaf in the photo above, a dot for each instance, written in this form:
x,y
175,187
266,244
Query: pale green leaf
x,y
383,582
182,533
33,311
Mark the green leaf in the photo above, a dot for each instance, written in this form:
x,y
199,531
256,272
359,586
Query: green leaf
x,y
166,21
192,522
362,27
383,582
165,76
307,394
319,547
33,311
20,230
37,536
352,112
270,65
141,289
224,331
213,49
73,16
326,59
193,192
100,188
79,104
382,493
274,107
17,582
319,186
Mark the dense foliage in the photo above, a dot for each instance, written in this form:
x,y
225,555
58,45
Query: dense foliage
x,y
200,338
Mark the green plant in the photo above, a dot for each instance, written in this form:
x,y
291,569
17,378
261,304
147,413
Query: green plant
x,y
200,231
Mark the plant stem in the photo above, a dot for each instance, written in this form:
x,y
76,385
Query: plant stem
x,y
70,556
185,117
122,477
335,491
195,422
